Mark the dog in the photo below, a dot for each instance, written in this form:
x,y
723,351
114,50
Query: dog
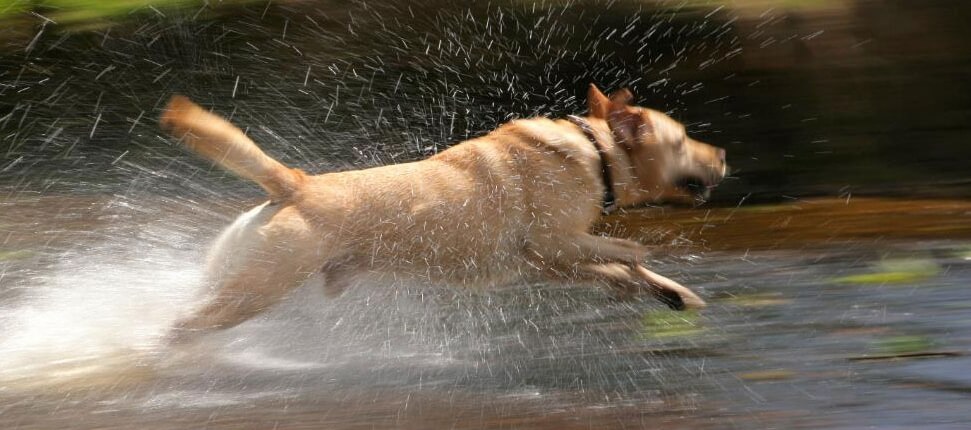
x,y
517,203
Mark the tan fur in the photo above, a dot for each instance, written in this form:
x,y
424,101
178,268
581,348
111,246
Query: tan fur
x,y
516,203
218,140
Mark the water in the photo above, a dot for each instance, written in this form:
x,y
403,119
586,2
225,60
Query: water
x,y
838,313
783,344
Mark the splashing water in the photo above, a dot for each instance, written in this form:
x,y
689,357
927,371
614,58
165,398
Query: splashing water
x,y
97,317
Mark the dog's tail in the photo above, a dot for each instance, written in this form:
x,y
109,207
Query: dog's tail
x,y
226,145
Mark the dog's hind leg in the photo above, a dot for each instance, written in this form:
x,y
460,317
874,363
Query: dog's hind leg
x,y
256,262
244,295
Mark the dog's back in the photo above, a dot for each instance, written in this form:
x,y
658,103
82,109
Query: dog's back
x,y
466,214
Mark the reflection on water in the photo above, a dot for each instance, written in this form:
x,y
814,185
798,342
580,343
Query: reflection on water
x,y
842,312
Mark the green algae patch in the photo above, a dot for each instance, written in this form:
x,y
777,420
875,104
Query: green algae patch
x,y
757,300
963,252
905,347
14,255
902,345
667,324
898,271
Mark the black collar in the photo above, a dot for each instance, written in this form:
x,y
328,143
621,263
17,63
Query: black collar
x,y
609,200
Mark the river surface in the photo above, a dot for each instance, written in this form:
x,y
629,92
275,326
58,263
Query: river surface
x,y
841,331
836,257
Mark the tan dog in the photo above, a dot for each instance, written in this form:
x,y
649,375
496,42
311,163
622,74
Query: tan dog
x,y
516,203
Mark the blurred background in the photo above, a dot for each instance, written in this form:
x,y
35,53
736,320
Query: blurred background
x,y
836,257
810,97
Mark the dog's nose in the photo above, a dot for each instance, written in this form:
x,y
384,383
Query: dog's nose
x,y
721,155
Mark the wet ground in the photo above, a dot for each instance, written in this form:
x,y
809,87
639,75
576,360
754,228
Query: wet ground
x,y
824,313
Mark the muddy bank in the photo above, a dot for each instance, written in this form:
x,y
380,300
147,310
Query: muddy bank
x,y
801,223
796,224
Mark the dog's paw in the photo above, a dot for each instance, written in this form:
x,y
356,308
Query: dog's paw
x,y
669,292
680,301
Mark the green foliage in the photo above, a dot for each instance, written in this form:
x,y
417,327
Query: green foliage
x,y
92,12
12,7
74,11
762,4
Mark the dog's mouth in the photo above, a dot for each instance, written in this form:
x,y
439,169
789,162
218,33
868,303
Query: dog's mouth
x,y
696,186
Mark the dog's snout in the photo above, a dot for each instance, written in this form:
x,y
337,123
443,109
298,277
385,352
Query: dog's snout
x,y
720,153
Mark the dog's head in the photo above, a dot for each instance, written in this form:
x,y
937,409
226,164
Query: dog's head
x,y
667,164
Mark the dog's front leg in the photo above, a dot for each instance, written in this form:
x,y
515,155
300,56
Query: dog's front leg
x,y
669,291
555,249
629,279
614,261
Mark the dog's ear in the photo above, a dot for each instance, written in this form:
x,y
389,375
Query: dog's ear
x,y
622,96
597,102
626,126
626,123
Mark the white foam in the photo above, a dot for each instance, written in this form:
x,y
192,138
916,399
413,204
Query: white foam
x,y
96,314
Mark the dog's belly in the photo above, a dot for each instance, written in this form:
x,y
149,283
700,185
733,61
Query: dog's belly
x,y
473,241
475,259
